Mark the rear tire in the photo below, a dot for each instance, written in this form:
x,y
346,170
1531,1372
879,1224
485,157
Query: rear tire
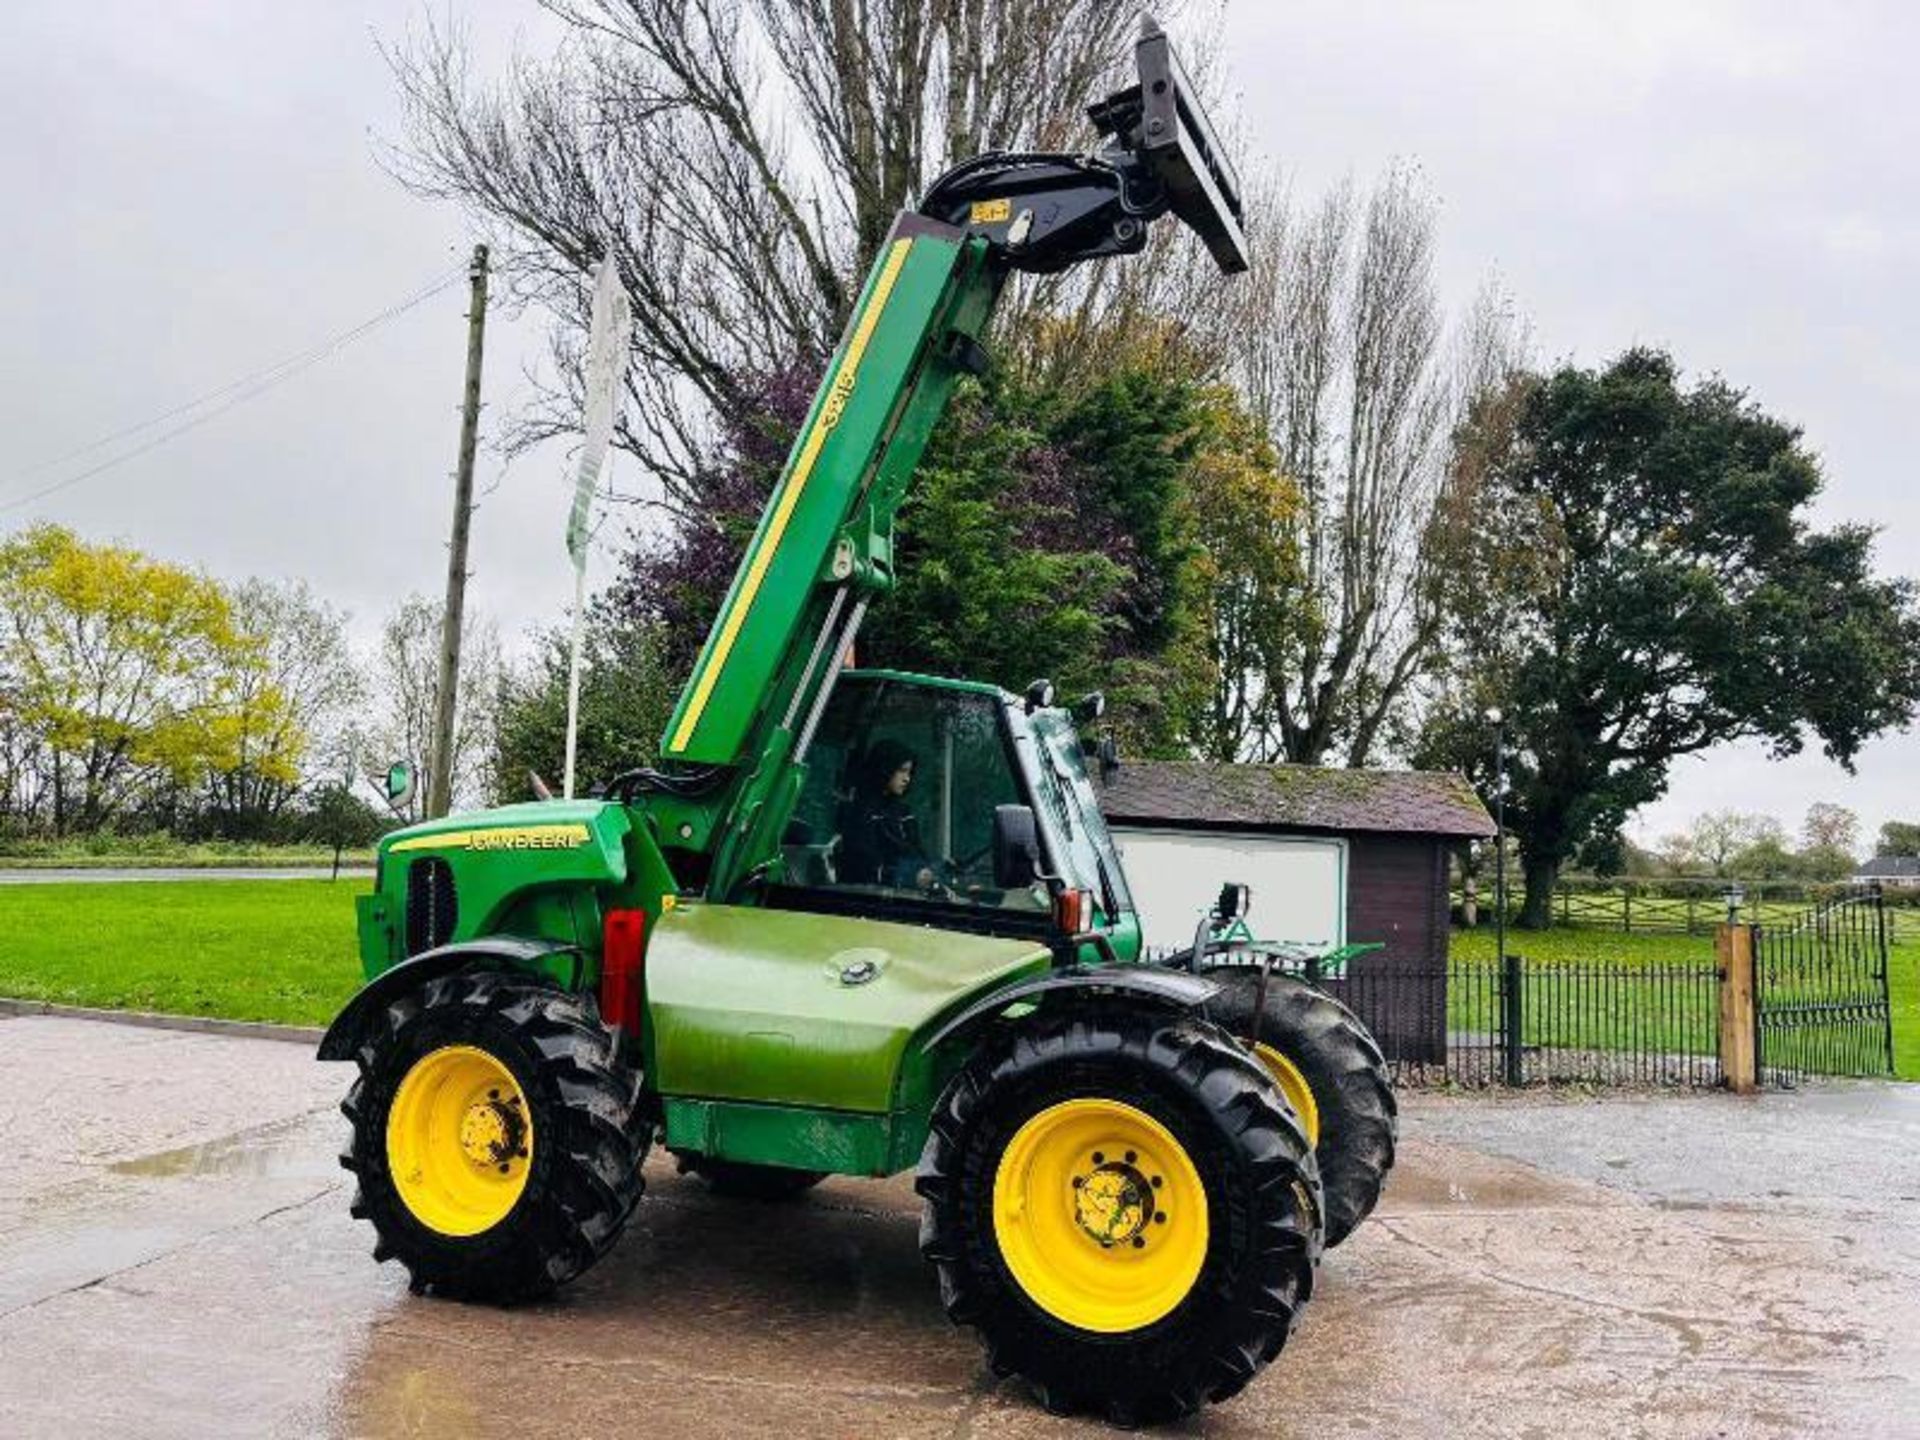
x,y
1332,1051
1048,1264
559,1092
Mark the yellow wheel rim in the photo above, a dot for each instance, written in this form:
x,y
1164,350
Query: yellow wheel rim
x,y
459,1140
1100,1215
1294,1086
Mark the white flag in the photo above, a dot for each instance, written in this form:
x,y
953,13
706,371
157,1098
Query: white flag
x,y
606,372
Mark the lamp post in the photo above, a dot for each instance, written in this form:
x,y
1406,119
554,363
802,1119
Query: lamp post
x,y
1512,1008
1499,722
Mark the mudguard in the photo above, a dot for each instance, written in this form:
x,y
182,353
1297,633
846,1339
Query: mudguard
x,y
1148,984
343,1036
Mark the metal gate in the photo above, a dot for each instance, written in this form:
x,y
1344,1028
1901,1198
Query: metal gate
x,y
1822,1004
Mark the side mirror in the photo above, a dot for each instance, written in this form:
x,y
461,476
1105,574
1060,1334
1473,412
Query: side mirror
x,y
1234,901
1016,847
399,783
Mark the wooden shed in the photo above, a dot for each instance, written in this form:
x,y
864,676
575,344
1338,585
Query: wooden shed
x,y
1332,856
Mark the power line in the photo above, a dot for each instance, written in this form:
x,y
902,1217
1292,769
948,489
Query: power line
x,y
231,395
433,286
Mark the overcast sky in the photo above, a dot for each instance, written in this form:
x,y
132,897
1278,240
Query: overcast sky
x,y
194,194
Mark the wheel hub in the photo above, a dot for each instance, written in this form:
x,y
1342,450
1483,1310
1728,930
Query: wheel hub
x,y
492,1129
1113,1204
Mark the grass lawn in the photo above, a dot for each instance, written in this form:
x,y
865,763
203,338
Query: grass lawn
x,y
1573,946
280,950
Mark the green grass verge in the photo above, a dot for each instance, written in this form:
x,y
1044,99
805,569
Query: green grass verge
x,y
279,950
1589,1018
109,852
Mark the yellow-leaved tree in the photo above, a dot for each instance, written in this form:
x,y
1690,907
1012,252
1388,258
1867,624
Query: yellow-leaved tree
x,y
129,673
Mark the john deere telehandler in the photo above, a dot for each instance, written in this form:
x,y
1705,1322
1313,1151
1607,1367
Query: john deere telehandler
x,y
857,922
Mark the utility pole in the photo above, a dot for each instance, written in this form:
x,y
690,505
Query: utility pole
x,y
440,755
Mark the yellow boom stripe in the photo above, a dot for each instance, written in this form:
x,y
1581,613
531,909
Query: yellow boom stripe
x,y
829,416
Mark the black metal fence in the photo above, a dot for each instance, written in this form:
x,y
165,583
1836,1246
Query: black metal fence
x,y
1821,1006
1478,1022
1822,995
1594,1022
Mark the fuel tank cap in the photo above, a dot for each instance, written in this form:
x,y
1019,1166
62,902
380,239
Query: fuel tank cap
x,y
859,966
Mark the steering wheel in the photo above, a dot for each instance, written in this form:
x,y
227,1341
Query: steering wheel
x,y
936,887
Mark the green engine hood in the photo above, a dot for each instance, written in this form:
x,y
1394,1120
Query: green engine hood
x,y
529,869
568,833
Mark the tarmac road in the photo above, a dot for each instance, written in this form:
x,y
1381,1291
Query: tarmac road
x,y
176,1259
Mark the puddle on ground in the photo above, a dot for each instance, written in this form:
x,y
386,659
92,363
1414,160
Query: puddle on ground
x,y
1480,1187
282,1148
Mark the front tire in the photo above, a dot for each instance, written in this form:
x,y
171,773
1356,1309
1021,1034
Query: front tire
x,y
1333,1074
496,1137
1121,1206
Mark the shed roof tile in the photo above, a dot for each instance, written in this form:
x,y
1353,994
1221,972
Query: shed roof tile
x,y
1294,797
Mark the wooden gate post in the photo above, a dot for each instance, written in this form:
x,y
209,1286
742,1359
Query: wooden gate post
x,y
1739,1062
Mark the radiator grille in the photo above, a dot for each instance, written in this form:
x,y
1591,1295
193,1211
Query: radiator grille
x,y
432,910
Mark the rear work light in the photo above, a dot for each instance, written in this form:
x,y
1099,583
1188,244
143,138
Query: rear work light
x,y
623,938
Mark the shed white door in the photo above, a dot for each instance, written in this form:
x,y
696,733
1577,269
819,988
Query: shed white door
x,y
1299,885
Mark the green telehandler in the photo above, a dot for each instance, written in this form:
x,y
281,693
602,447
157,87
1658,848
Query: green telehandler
x,y
858,922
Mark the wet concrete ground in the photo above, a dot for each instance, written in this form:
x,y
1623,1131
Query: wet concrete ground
x,y
176,1259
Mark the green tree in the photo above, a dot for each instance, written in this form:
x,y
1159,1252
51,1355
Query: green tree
x,y
626,695
1898,837
1829,842
1247,582
996,578
1766,858
331,814
1053,529
1650,586
1049,531
127,669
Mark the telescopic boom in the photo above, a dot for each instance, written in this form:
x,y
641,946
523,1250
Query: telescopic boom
x,y
824,546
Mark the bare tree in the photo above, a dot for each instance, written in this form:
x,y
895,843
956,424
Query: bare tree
x,y
291,709
403,676
1340,343
742,159
1716,838
1830,827
25,767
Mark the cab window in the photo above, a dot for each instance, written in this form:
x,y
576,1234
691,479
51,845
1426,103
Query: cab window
x,y
902,783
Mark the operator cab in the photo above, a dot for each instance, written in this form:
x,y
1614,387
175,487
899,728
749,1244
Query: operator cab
x,y
908,785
